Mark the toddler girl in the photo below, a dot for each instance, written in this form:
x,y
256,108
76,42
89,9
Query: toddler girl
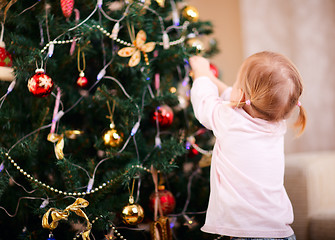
x,y
248,198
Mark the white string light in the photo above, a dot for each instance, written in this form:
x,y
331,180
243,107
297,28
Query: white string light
x,y
50,47
29,192
9,90
17,205
91,182
133,132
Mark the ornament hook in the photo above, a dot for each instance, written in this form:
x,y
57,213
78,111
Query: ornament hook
x,y
131,192
111,113
78,61
39,69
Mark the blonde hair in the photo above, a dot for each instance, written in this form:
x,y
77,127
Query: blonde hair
x,y
273,85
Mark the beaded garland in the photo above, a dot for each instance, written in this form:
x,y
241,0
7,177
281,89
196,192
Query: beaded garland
x,y
117,232
111,226
58,42
44,185
103,185
176,42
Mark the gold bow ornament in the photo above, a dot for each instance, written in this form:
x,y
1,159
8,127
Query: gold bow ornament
x,y
59,146
59,138
160,229
57,215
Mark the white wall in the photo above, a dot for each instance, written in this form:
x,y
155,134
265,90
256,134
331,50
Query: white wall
x,y
225,16
303,30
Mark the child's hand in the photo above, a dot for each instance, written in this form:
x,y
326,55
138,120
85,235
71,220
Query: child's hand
x,y
200,66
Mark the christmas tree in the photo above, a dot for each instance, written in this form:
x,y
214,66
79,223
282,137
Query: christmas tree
x,y
98,139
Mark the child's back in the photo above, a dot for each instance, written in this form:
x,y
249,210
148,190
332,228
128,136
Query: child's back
x,y
248,198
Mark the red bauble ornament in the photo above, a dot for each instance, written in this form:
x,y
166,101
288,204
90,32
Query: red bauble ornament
x,y
67,7
82,80
214,70
6,70
193,152
167,200
164,115
40,85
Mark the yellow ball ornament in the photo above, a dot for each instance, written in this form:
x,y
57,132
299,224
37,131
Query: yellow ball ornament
x,y
197,44
133,213
113,138
191,13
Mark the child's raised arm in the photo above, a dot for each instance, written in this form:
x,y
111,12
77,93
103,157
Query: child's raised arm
x,y
200,68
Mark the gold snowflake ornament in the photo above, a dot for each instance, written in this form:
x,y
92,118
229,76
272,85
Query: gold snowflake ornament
x,y
135,52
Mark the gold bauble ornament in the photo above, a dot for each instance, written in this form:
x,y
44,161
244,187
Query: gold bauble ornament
x,y
191,13
113,138
197,44
133,213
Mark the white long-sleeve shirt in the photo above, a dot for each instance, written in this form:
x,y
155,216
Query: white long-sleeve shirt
x,y
247,194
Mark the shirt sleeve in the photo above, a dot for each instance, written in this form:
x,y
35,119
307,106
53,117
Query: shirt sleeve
x,y
205,99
